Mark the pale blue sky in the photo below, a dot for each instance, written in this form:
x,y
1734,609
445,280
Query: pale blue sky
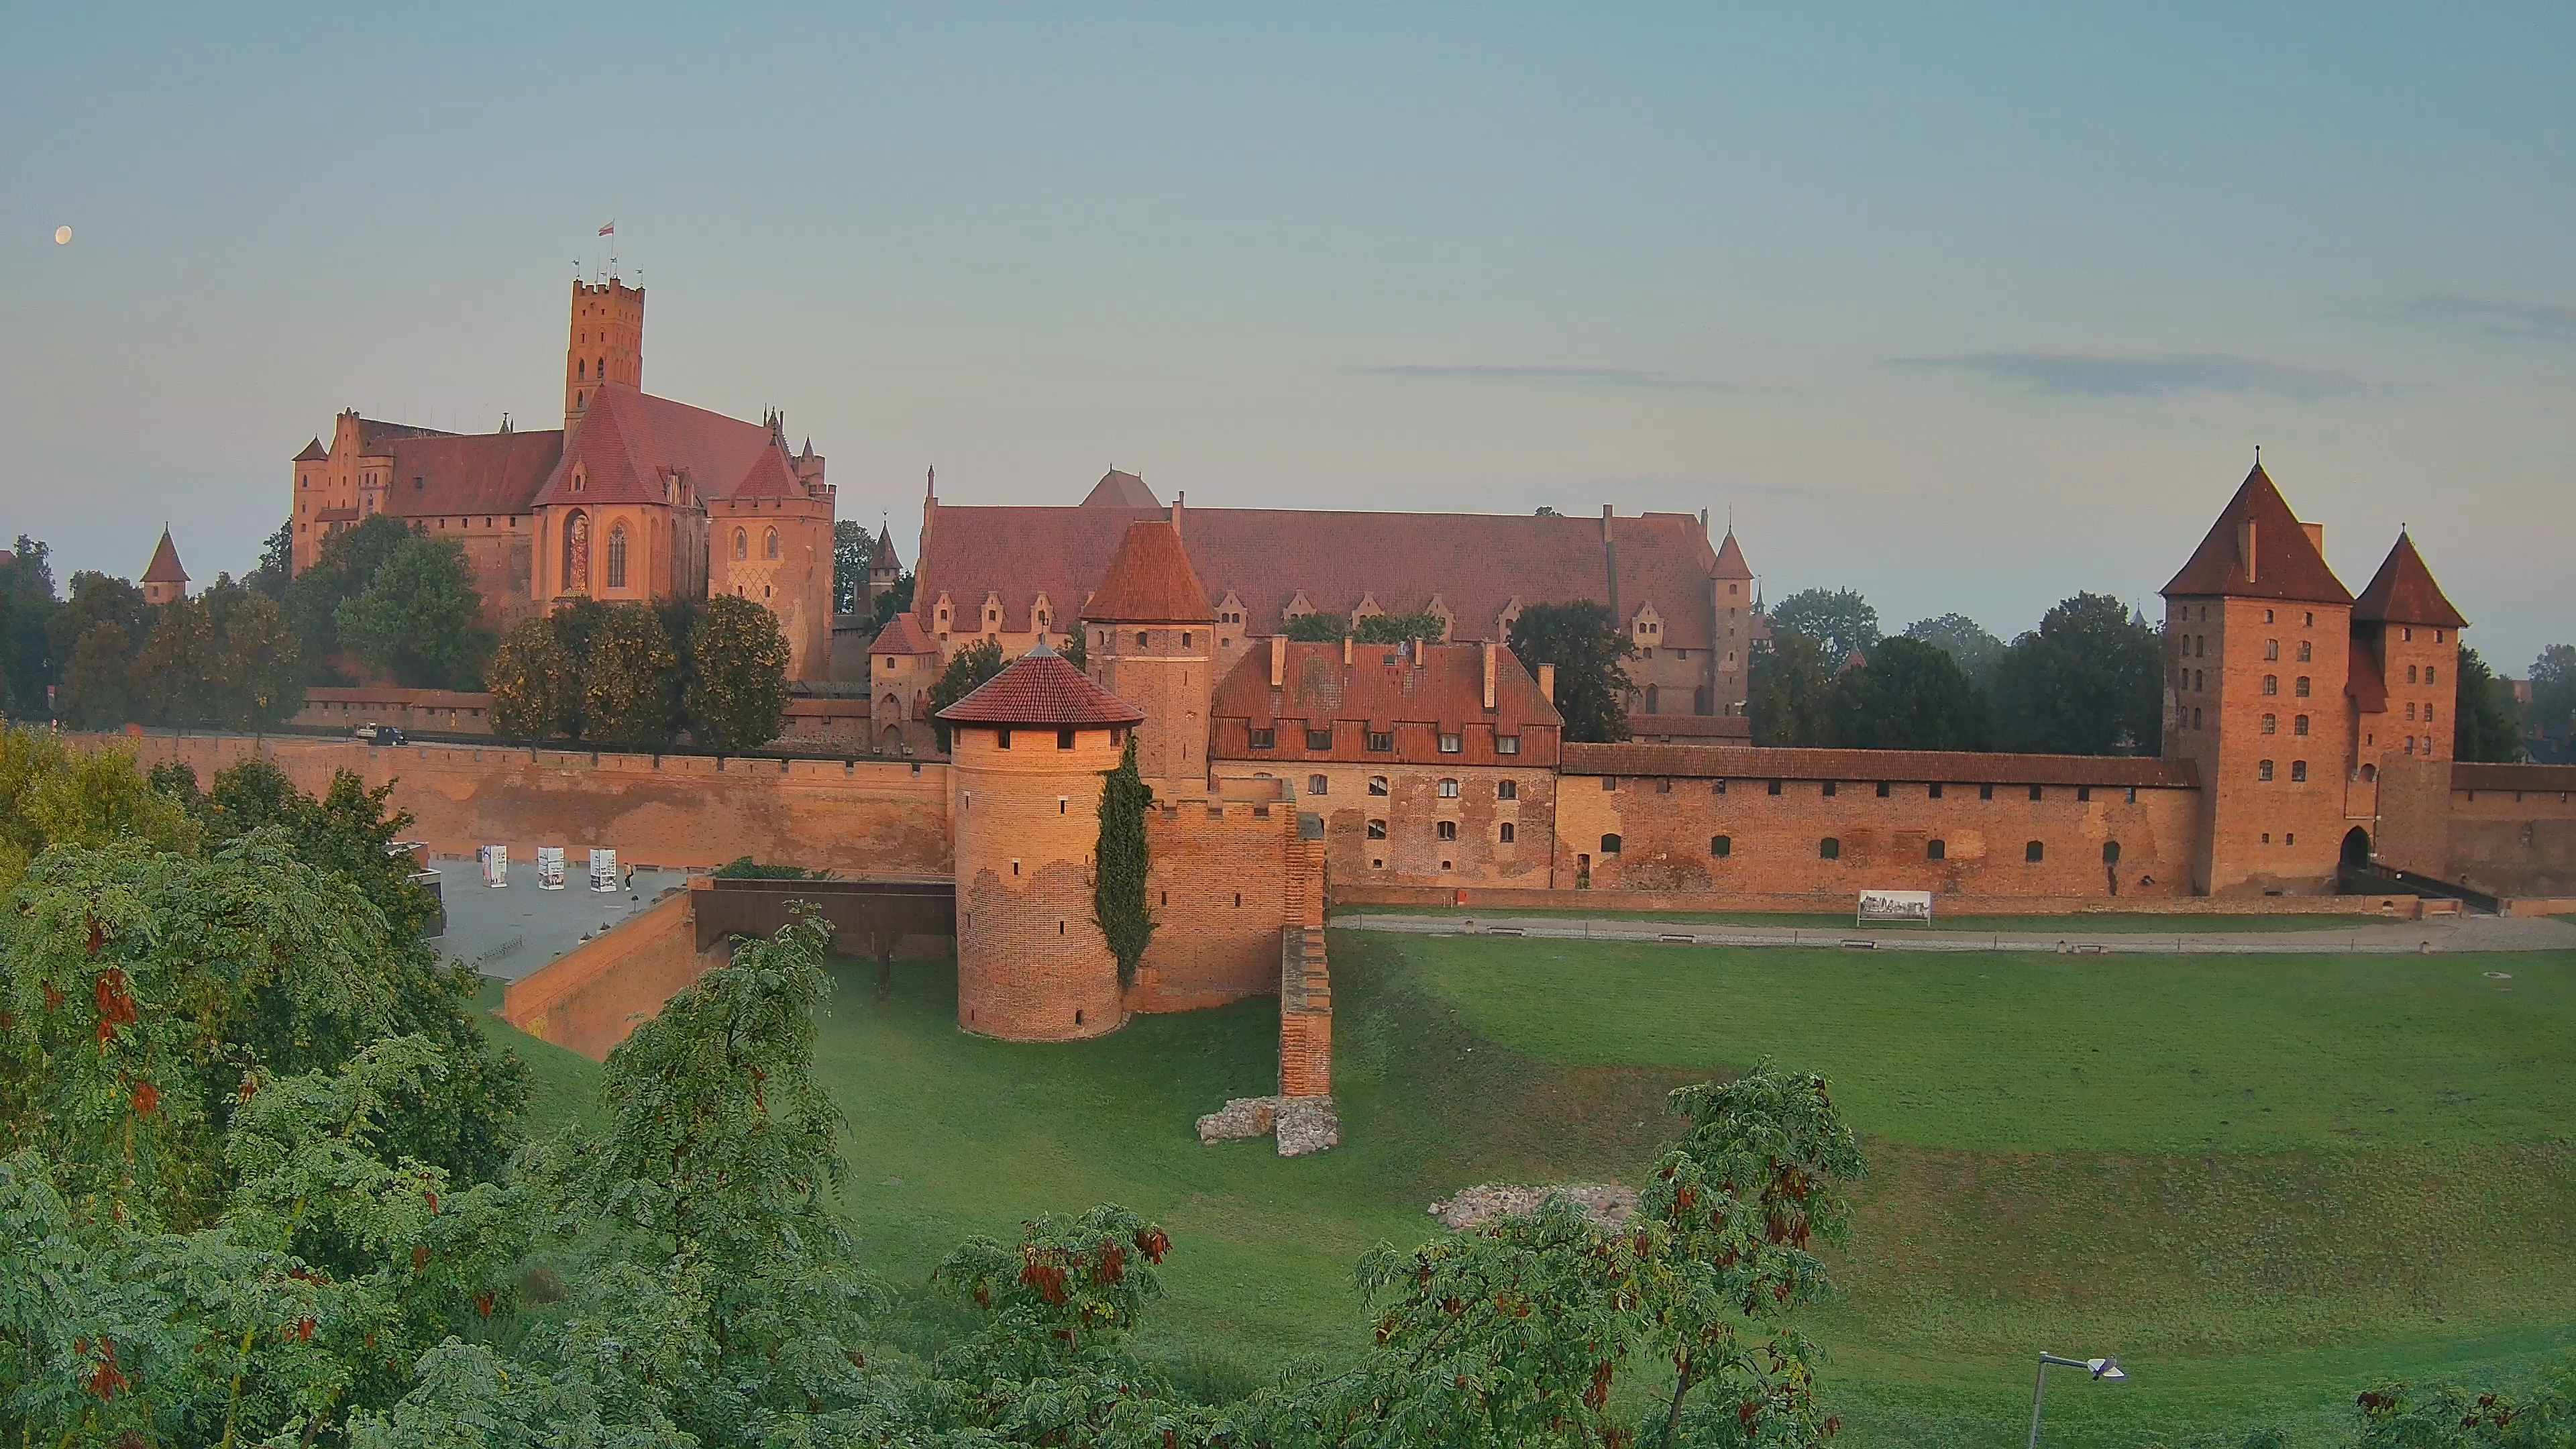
x,y
1966,312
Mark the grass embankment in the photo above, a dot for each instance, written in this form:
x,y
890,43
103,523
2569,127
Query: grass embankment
x,y
2265,1181
2090,923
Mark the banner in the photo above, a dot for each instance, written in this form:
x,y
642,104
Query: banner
x,y
1903,907
603,869
496,865
550,867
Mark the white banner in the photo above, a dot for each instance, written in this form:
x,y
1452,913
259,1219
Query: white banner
x,y
1898,906
496,865
550,867
603,869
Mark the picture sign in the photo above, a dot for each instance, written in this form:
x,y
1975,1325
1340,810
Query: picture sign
x,y
1905,907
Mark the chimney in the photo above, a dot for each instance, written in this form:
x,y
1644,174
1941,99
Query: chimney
x,y
1346,651
1489,674
1605,522
1278,660
2245,547
1180,501
1547,681
2316,533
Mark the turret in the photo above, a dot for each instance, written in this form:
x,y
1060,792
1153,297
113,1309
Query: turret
x,y
164,581
604,343
1152,638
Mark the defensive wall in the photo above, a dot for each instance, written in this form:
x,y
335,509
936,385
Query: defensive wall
x,y
2507,830
589,999
1625,902
857,818
818,722
1305,1014
1225,873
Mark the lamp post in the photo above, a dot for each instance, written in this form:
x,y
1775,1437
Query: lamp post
x,y
2103,1370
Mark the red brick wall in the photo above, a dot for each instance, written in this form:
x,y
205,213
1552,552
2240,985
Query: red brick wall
x,y
590,999
1305,1014
2262,836
1504,902
1225,875
1413,808
1032,964
2515,842
863,818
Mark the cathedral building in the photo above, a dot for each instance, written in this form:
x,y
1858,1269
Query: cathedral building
x,y
634,498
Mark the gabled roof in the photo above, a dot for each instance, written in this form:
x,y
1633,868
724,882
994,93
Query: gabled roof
x,y
164,568
1730,559
440,477
627,441
883,555
902,635
1476,562
1150,581
1121,490
1040,689
2403,592
313,452
1383,685
769,478
2283,563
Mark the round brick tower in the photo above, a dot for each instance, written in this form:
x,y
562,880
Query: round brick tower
x,y
1028,752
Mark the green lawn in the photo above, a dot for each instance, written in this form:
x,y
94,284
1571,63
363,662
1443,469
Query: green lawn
x,y
2094,923
2266,1182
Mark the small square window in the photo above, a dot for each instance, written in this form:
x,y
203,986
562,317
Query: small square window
x,y
1450,744
1775,787
1721,846
2037,792
2083,793
1507,744
1321,739
1507,789
1377,784
1882,789
1985,792
1609,782
1265,739
1377,830
1064,739
1717,787
1381,743
1933,790
1830,786
1318,785
1664,785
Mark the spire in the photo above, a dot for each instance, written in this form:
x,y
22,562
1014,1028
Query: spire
x,y
1150,581
2403,592
2258,549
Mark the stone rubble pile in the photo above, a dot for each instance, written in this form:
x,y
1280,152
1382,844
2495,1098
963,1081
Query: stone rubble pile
x,y
1301,1124
1606,1203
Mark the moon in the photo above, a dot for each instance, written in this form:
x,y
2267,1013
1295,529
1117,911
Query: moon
x,y
62,236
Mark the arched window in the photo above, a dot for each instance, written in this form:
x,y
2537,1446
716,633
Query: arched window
x,y
2110,852
2298,771
2263,769
2271,684
1829,849
1609,845
769,544
1448,830
2306,651
2032,852
1936,850
2271,724
2299,726
741,544
617,555
581,368
2302,690
576,553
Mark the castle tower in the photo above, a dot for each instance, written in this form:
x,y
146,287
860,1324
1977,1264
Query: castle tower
x,y
2257,643
2405,628
1028,752
164,581
770,541
1152,640
1730,654
603,344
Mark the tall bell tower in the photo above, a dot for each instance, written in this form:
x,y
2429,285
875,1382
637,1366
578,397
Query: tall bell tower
x,y
603,344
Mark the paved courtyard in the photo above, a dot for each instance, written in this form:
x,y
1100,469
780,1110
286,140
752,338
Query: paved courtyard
x,y
509,933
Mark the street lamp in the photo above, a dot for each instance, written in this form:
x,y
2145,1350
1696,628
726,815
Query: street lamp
x,y
2103,1370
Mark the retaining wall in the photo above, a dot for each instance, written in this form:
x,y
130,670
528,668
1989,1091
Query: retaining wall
x,y
590,999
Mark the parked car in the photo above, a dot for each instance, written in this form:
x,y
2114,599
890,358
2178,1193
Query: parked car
x,y
378,734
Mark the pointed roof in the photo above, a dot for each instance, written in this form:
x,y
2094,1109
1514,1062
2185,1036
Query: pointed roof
x,y
769,478
626,441
2258,550
313,452
1040,689
2403,592
1730,559
883,555
1121,490
902,635
1150,580
164,568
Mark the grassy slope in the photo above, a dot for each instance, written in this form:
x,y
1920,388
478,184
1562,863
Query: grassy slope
x,y
2028,1190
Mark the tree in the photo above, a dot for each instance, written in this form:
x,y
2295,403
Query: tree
x,y
1118,881
1399,628
258,675
1792,688
2088,681
98,682
1839,619
27,607
276,564
1317,627
52,795
343,569
1965,640
96,599
2553,691
418,618
1586,645
851,546
737,690
1077,648
535,683
967,671
1911,695
174,670
2482,711
627,678
895,600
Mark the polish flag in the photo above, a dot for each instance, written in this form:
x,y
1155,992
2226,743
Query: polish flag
x,y
609,229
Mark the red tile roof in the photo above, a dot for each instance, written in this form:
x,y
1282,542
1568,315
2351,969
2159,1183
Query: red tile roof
x,y
2403,592
883,556
2285,565
1730,559
1477,563
1040,689
1383,689
627,441
313,452
1756,763
445,477
769,478
902,635
164,568
1149,581
1120,490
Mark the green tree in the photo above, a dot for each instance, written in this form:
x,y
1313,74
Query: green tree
x,y
98,682
1911,695
627,697
895,600
276,564
96,599
342,570
535,683
54,795
1587,646
2553,691
174,669
2088,681
1965,640
418,618
1118,880
851,545
737,690
27,608
1077,648
258,677
967,671
1839,619
1792,690
1399,628
2482,711
1318,627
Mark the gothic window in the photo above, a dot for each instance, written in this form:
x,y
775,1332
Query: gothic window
x,y
576,554
741,544
769,544
581,368
617,555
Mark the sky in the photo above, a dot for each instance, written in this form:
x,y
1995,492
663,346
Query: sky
x,y
1967,310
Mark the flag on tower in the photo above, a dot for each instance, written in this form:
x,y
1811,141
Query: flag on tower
x,y
608,230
